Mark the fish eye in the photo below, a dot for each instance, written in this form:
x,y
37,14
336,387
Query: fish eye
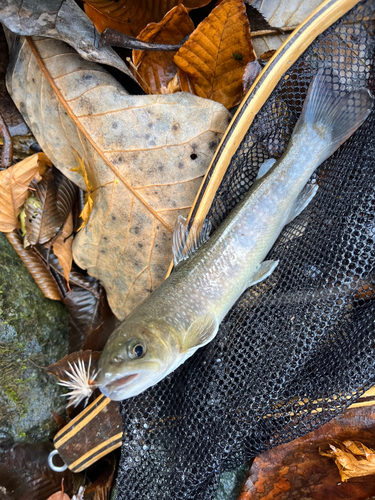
x,y
136,349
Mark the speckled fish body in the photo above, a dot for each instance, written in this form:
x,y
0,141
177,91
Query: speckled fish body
x,y
184,313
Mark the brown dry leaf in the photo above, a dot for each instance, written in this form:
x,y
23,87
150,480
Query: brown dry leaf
x,y
26,475
145,157
36,267
14,184
89,202
252,70
353,459
131,16
62,247
43,219
59,495
155,69
297,469
215,56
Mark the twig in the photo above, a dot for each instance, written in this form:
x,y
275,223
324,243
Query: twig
x,y
114,38
7,153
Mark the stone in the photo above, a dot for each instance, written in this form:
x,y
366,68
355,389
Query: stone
x,y
33,334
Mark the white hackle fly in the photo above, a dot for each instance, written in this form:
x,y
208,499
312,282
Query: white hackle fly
x,y
81,383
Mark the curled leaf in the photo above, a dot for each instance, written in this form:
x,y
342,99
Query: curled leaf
x,y
353,459
62,247
43,220
155,69
66,195
36,267
89,202
252,70
85,313
215,56
14,184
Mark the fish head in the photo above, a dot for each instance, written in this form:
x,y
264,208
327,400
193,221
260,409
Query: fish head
x,y
136,356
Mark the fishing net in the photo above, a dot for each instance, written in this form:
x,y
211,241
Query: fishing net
x,y
296,349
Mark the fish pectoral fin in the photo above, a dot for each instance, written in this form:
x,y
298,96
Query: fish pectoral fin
x,y
306,195
265,269
265,167
185,242
200,332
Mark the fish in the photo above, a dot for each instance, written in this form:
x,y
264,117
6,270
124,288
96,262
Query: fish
x,y
211,272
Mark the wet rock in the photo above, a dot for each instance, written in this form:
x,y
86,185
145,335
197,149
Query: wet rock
x,y
33,331
231,483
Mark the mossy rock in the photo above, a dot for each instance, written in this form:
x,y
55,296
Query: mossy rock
x,y
33,331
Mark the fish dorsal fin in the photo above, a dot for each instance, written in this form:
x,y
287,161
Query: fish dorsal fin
x,y
200,333
265,167
184,243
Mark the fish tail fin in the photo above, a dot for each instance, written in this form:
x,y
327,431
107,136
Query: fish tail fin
x,y
335,117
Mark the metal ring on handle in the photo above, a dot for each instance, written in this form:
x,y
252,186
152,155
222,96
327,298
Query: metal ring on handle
x,y
52,465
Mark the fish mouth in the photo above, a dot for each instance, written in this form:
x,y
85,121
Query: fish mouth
x,y
112,386
121,381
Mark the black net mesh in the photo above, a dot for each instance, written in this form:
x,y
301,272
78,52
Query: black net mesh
x,y
296,349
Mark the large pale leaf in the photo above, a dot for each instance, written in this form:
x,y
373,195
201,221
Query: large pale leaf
x,y
131,16
60,19
145,157
14,184
215,55
155,69
280,14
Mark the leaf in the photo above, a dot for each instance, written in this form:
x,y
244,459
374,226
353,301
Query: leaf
x,y
59,419
297,470
14,183
215,55
26,475
36,267
60,19
59,495
281,14
91,321
155,69
353,459
102,485
84,311
43,221
60,368
62,247
89,202
66,194
131,16
252,70
145,157
256,19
